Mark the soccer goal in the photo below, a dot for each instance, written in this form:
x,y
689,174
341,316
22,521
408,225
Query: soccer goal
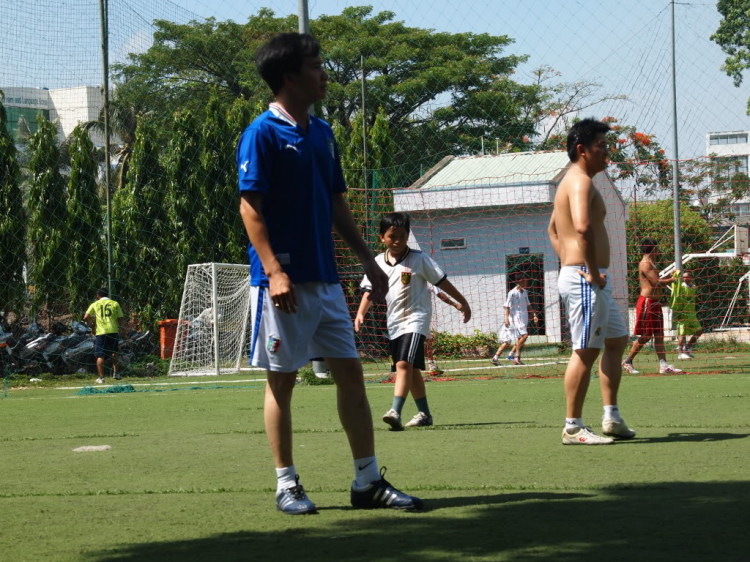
x,y
213,326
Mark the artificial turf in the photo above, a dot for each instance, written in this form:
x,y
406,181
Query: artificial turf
x,y
189,475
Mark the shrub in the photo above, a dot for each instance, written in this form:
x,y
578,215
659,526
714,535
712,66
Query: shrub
x,y
307,377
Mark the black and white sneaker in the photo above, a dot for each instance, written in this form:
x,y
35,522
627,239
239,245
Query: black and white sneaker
x,y
294,500
381,494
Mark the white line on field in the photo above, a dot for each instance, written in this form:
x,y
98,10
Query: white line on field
x,y
506,366
158,384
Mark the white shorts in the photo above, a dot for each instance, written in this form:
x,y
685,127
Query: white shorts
x,y
592,312
508,334
321,327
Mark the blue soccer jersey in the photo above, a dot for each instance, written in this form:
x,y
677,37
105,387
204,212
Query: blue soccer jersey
x,y
297,172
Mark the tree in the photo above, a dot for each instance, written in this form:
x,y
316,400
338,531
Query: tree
x,y
715,183
12,221
47,217
142,244
638,164
219,220
656,221
183,187
409,71
123,121
558,104
84,222
733,36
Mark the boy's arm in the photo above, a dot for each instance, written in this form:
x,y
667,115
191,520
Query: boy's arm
x,y
529,309
507,316
344,224
552,232
90,320
448,287
652,274
580,198
364,306
280,287
447,300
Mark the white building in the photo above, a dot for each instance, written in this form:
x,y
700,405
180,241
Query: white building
x,y
485,216
733,146
66,106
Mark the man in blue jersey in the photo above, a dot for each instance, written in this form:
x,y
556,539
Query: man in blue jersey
x,y
292,194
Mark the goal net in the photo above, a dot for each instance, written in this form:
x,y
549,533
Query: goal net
x,y
213,325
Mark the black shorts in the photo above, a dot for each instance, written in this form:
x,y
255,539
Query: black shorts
x,y
105,345
409,348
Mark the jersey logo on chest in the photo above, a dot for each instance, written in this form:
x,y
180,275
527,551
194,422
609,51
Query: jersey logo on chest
x,y
406,277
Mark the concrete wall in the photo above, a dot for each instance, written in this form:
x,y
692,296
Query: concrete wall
x,y
492,233
479,270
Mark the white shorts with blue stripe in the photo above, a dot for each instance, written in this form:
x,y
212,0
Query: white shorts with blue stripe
x,y
321,327
592,312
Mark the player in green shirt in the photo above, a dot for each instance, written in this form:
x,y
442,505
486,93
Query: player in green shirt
x,y
682,304
109,318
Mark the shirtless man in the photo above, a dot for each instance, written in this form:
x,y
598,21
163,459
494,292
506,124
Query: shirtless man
x,y
649,321
578,235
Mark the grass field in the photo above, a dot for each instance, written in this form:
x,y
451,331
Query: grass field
x,y
189,476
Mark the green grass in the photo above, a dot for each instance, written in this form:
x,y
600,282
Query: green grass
x,y
189,476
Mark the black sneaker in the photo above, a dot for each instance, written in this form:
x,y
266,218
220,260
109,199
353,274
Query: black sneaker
x,y
381,494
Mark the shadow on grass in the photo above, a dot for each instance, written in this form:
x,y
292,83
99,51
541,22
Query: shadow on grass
x,y
685,438
661,521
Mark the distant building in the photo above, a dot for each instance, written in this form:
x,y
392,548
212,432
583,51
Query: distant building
x,y
731,149
483,218
69,106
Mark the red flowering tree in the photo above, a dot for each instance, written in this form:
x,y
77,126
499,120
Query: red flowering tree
x,y
638,164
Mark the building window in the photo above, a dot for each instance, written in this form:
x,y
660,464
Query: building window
x,y
452,243
728,166
737,138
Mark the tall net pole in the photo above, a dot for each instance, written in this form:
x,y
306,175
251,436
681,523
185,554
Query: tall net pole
x,y
107,157
676,156
304,16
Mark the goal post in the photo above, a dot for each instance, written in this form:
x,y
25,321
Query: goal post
x,y
213,325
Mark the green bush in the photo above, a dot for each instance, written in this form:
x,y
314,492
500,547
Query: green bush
x,y
457,346
307,377
148,366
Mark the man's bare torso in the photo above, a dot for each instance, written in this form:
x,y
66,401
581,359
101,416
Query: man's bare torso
x,y
568,249
648,289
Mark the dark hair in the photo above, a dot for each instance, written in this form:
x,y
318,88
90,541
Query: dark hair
x,y
284,54
584,132
395,220
648,245
102,293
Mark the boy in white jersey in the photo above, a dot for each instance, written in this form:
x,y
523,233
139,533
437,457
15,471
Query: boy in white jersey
x,y
409,313
516,320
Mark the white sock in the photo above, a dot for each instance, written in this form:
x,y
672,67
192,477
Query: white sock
x,y
365,472
662,363
285,478
571,423
612,413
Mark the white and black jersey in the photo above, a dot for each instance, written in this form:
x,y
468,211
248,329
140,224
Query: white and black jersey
x,y
518,303
408,298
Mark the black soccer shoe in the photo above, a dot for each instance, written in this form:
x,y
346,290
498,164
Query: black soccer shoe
x,y
381,494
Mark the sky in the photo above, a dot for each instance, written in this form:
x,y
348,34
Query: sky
x,y
624,46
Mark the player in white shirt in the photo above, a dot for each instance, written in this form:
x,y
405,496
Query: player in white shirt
x,y
516,321
409,313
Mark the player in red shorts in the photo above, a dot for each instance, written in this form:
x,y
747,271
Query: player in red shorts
x,y
649,321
